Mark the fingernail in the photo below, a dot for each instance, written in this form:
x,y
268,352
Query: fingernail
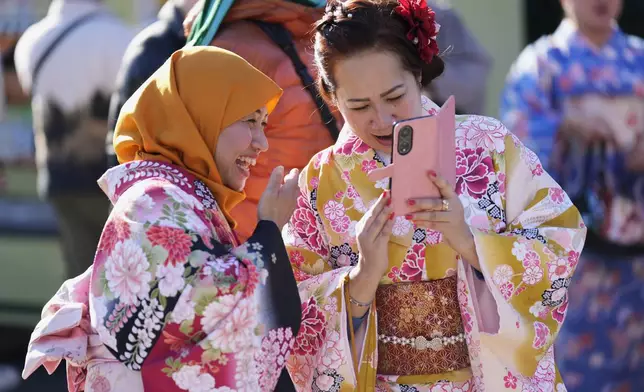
x,y
411,202
431,173
388,202
391,216
408,217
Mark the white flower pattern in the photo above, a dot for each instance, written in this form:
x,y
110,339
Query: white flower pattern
x,y
126,271
170,279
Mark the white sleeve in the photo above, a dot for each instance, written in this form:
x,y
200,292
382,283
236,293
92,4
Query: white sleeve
x,y
22,60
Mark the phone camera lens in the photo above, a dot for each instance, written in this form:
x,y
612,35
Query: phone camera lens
x,y
405,137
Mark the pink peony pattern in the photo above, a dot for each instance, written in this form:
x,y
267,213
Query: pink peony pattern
x,y
473,170
304,224
312,334
414,264
485,132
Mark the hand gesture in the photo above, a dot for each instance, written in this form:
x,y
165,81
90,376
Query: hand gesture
x,y
587,129
372,235
279,198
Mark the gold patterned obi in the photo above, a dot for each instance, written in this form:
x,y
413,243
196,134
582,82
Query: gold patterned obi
x,y
420,330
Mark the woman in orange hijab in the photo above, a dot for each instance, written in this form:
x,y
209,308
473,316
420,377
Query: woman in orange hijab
x,y
173,302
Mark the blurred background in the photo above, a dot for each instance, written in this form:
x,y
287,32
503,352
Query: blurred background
x,y
31,263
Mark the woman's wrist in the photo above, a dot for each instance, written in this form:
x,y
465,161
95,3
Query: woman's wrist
x,y
468,252
362,284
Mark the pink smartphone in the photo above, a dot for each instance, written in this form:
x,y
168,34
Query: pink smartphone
x,y
420,145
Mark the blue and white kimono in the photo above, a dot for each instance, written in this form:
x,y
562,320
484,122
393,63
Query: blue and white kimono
x,y
601,346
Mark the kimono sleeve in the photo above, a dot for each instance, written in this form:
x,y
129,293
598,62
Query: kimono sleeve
x,y
527,101
529,264
183,309
320,286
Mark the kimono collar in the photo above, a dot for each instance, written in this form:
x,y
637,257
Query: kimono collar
x,y
567,37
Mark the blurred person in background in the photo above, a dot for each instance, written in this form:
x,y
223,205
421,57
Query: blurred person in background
x,y
577,98
467,63
275,37
68,63
149,49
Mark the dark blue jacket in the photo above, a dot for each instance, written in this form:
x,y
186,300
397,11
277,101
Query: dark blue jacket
x,y
145,54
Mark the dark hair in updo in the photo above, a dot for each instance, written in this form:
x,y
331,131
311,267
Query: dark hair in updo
x,y
362,25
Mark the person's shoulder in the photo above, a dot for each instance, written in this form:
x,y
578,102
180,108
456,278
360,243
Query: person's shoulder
x,y
532,58
321,157
151,35
536,49
34,35
148,50
129,180
634,42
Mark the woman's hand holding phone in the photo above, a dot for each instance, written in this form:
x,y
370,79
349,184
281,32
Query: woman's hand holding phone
x,y
445,214
372,235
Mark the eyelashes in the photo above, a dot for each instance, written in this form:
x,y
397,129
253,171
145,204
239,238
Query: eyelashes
x,y
394,99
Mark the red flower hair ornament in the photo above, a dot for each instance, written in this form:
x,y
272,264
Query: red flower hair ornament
x,y
423,28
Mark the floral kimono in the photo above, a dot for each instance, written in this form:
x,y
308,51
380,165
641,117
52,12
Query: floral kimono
x,y
528,238
172,302
557,74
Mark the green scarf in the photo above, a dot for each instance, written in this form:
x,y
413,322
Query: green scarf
x,y
213,13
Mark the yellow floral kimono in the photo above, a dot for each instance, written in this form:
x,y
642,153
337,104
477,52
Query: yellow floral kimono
x,y
528,238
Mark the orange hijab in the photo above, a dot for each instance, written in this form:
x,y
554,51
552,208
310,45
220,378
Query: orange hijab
x,y
177,115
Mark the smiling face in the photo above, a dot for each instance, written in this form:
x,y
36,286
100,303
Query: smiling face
x,y
371,98
238,147
593,14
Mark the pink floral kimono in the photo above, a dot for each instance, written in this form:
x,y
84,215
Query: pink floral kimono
x,y
172,302
505,318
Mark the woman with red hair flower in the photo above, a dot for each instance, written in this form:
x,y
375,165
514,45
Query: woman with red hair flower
x,y
467,293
